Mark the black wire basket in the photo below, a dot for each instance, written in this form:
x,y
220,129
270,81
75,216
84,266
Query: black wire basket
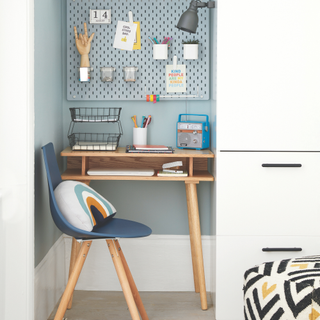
x,y
94,141
95,114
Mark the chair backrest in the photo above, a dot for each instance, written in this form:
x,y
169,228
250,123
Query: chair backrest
x,y
54,179
53,172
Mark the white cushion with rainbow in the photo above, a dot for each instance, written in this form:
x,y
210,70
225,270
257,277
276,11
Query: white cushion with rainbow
x,y
82,206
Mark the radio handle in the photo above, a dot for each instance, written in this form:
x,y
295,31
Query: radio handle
x,y
191,114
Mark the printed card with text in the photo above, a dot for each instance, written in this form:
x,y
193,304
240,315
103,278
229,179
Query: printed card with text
x,y
125,35
176,78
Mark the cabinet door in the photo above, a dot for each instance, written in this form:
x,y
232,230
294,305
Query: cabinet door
x,y
235,255
253,199
268,75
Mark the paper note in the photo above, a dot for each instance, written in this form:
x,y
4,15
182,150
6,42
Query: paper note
x,y
125,35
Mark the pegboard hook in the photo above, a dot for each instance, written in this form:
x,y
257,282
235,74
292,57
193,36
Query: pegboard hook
x,y
130,17
175,60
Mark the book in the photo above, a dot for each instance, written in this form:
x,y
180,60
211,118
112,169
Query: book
x,y
173,171
171,174
132,149
150,147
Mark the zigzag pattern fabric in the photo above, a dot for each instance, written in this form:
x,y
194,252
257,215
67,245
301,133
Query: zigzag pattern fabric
x,y
283,290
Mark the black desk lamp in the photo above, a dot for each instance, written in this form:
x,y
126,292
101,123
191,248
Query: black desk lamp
x,y
189,19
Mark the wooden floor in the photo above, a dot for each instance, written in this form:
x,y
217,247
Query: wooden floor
x,y
101,305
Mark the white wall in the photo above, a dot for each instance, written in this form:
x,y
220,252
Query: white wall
x,y
16,160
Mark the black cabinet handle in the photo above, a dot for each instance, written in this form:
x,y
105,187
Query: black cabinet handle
x,y
281,249
282,165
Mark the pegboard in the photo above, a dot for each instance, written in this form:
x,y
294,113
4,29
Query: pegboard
x,y
158,19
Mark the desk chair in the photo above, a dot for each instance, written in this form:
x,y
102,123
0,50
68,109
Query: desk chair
x,y
283,290
111,229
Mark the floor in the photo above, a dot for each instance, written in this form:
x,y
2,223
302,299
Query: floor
x,y
100,305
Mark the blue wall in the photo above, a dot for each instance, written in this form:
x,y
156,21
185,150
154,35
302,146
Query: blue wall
x,y
48,113
161,205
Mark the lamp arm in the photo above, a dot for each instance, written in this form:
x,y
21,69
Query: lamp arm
x,y
209,4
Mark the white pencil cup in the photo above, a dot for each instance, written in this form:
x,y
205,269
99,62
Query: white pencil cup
x,y
160,51
140,135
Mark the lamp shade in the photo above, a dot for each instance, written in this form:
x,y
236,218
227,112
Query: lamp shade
x,y
189,19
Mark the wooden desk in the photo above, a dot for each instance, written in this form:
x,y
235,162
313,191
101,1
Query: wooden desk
x,y
195,162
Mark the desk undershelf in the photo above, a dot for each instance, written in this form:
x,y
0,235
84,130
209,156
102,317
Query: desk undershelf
x,y
75,174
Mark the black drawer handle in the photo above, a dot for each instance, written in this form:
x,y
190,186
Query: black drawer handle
x,y
282,165
281,249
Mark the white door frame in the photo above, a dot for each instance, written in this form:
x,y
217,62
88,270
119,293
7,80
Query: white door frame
x,y
17,160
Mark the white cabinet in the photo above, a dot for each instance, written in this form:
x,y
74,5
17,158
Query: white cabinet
x,y
264,200
268,112
268,193
268,75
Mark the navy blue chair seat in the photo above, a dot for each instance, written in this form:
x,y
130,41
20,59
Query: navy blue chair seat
x,y
114,228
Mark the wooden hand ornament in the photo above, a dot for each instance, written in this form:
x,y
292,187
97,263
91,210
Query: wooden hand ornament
x,y
83,44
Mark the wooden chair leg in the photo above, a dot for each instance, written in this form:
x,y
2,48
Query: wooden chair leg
x,y
74,253
123,280
132,284
73,280
75,247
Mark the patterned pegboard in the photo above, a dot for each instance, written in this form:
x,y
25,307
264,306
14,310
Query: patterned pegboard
x,y
158,19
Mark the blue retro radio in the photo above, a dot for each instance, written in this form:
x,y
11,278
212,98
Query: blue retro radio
x,y
193,134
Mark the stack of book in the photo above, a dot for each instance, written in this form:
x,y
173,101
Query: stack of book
x,y
172,169
148,149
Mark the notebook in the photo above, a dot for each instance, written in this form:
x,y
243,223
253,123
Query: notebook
x,y
150,147
120,172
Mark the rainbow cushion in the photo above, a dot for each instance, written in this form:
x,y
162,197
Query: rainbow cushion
x,y
82,206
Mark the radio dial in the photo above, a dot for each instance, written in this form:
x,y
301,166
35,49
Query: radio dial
x,y
195,132
195,141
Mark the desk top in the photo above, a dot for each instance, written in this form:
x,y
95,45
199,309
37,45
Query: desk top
x,y
121,152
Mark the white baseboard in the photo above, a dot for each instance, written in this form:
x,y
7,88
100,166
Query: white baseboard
x,y
49,280
157,263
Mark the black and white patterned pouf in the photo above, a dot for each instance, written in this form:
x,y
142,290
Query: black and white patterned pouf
x,y
284,289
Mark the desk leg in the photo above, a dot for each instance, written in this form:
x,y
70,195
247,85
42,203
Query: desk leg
x,y
192,242
196,244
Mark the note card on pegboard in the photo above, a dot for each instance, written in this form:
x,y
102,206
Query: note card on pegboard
x,y
158,19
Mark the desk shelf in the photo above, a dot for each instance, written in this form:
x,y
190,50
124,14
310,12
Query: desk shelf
x,y
79,162
75,174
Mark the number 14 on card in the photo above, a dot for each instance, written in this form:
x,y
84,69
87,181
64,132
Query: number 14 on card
x,y
100,16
